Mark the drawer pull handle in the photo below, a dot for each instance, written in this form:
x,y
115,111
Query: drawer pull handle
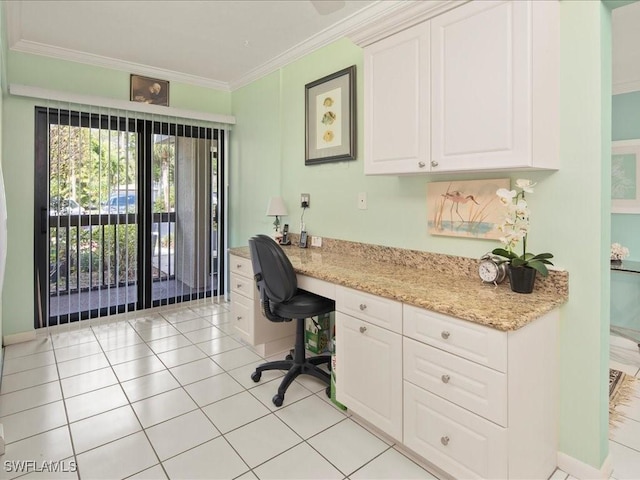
x,y
238,285
444,441
445,378
363,329
445,334
434,163
238,318
363,306
421,164
238,265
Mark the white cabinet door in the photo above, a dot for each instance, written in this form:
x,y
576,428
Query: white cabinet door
x,y
481,61
369,379
397,131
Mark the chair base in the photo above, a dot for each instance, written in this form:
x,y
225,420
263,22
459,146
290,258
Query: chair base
x,y
309,366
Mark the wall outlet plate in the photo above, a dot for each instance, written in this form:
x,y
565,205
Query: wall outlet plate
x,y
316,241
305,200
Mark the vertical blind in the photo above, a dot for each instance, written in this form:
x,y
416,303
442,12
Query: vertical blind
x,y
128,210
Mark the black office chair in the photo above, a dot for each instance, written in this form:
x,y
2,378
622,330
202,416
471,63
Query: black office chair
x,y
282,301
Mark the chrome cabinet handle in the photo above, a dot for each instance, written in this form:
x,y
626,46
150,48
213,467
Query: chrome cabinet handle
x,y
238,285
434,163
444,441
238,318
363,306
421,164
445,334
445,378
239,265
363,329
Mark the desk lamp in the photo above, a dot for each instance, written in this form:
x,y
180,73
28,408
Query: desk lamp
x,y
276,209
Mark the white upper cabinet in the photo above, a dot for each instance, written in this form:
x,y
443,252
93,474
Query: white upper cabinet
x,y
397,103
493,92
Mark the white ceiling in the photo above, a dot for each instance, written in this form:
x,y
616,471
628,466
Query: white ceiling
x,y
223,44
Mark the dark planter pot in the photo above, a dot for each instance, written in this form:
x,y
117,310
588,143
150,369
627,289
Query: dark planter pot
x,y
522,279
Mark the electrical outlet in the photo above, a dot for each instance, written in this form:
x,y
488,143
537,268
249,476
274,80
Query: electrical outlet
x,y
305,200
316,241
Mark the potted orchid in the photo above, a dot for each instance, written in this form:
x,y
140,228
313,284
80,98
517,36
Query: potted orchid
x,y
515,228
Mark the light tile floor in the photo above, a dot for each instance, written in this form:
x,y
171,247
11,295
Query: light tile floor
x,y
166,393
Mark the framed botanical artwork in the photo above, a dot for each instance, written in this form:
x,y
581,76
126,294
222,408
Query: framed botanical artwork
x,y
149,90
466,208
330,109
625,177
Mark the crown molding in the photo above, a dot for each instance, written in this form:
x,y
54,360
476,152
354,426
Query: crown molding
x,y
114,64
354,22
626,87
405,15
116,103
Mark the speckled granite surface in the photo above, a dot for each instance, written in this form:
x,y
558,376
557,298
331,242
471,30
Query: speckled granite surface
x,y
441,283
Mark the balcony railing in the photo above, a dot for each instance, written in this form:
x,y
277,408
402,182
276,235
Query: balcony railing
x,y
93,251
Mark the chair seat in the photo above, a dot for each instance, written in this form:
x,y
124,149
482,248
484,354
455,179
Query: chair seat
x,y
302,305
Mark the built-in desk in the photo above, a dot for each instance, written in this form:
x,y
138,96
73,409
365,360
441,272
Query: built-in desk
x,y
438,361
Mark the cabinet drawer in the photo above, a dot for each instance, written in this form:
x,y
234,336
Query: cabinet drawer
x,y
477,343
243,286
242,310
241,266
472,386
457,441
376,310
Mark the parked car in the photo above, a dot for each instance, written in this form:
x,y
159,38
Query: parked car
x,y
122,202
64,206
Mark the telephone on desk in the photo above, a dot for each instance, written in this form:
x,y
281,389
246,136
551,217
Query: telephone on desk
x,y
285,235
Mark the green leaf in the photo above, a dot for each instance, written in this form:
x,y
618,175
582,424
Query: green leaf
x,y
540,267
504,253
518,262
541,256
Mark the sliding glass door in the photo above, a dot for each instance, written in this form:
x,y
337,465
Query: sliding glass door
x,y
127,213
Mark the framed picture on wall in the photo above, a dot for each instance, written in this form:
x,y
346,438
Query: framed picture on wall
x,y
149,90
625,176
330,109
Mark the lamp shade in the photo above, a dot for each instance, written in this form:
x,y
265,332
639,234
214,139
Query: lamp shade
x,y
276,207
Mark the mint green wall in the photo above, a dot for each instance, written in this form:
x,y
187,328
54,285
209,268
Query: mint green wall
x,y
18,158
50,73
270,116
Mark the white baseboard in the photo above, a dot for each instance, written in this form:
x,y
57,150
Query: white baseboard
x,y
19,338
584,471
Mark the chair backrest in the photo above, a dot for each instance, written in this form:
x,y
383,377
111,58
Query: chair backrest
x,y
272,269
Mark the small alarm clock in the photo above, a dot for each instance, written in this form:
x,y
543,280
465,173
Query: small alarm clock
x,y
492,269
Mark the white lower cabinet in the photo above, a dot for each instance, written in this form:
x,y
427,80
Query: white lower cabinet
x,y
267,337
457,441
473,401
369,376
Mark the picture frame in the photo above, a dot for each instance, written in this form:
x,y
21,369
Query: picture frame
x,y
625,176
330,118
466,208
149,90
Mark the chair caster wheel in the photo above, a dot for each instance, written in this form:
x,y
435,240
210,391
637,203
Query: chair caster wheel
x,y
288,357
277,400
255,376
328,392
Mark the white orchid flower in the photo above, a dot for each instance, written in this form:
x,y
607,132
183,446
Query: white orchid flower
x,y
506,194
525,185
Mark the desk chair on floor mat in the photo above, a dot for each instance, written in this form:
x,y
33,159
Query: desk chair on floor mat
x,y
282,301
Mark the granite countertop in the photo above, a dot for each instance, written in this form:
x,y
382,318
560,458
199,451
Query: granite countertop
x,y
449,292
